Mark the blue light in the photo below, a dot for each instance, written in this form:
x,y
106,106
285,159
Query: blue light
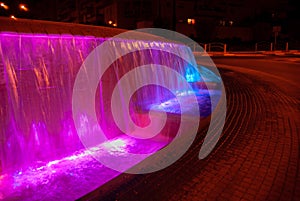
x,y
192,74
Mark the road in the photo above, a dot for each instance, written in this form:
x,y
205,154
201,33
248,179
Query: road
x,y
284,70
257,156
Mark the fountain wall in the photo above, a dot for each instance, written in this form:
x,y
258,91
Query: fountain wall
x,y
37,74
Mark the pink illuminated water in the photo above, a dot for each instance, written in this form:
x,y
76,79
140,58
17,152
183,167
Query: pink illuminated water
x,y
36,88
41,155
70,177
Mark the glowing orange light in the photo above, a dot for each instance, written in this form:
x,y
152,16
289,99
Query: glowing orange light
x,y
13,17
23,7
3,5
191,21
114,24
110,22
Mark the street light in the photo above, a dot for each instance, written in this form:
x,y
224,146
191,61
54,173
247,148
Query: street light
x,y
23,7
3,5
13,17
191,21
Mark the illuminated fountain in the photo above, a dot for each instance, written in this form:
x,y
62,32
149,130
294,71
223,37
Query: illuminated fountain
x,y
39,145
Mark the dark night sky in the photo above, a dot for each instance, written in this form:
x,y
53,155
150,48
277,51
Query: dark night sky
x,y
42,8
47,10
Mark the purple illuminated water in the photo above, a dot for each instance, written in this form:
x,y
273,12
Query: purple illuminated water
x,y
38,72
70,177
41,155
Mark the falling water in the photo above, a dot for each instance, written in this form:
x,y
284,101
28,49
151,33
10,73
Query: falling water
x,y
37,75
36,87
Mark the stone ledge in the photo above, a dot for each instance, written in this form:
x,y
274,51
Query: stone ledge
x,y
48,27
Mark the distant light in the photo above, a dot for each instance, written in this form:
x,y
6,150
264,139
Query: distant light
x,y
23,7
114,24
110,22
191,21
13,17
222,22
3,6
231,23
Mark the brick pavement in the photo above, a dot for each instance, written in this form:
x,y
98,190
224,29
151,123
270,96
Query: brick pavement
x,y
257,157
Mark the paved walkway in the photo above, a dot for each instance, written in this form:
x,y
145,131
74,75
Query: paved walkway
x,y
257,157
